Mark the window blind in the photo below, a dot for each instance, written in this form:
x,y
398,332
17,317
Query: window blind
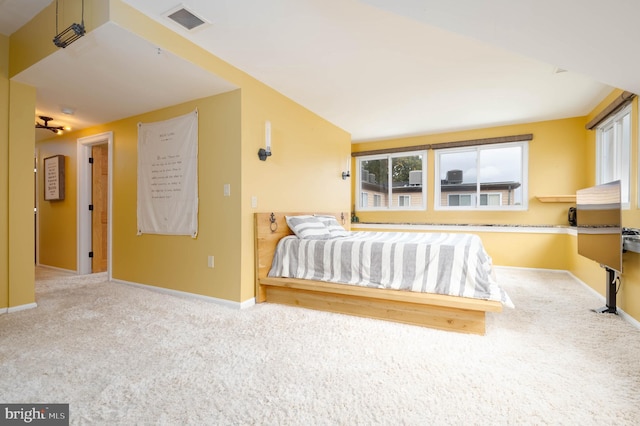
x,y
454,144
621,101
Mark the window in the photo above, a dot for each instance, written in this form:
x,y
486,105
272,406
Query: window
x,y
459,199
490,199
364,199
613,151
396,181
469,199
491,177
404,200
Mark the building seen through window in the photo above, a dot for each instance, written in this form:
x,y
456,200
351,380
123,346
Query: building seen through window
x,y
392,182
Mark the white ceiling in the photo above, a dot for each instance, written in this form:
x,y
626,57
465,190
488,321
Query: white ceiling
x,y
112,74
376,68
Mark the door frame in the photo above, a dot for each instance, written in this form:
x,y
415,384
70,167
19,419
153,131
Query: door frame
x,y
84,199
36,207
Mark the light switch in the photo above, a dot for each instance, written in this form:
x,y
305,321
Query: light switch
x,y
227,190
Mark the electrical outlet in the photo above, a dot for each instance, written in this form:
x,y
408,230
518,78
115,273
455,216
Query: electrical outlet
x,y
210,262
254,202
227,190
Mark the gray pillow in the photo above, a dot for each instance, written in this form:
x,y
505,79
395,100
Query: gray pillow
x,y
335,229
308,227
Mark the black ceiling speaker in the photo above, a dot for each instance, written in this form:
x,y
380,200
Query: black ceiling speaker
x,y
54,129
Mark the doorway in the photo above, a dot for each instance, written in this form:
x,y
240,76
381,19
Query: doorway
x,y
95,178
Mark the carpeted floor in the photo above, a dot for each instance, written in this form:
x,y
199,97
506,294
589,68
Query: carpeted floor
x,y
125,355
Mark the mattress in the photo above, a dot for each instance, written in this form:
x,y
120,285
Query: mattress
x,y
453,264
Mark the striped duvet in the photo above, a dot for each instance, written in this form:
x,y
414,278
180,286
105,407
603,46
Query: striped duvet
x,y
451,264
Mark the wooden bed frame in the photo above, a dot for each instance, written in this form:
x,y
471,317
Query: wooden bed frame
x,y
442,312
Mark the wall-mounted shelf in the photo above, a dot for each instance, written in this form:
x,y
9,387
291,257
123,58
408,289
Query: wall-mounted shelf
x,y
556,198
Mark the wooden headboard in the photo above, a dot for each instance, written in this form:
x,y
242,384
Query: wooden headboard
x,y
269,228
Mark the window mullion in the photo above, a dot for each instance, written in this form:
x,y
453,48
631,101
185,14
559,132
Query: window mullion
x,y
478,192
617,148
390,182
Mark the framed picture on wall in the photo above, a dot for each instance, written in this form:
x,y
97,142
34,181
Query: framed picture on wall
x,y
54,178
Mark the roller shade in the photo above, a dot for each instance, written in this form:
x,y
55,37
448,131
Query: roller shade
x,y
618,103
454,144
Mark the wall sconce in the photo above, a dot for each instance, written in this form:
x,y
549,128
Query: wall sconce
x,y
262,152
347,174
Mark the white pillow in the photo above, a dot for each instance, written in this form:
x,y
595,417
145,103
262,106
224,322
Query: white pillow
x,y
335,229
308,227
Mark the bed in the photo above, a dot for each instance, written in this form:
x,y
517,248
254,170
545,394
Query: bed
x,y
364,290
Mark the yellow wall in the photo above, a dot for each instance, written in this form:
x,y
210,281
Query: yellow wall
x,y
303,174
57,219
549,249
556,160
22,104
17,106
180,262
4,171
534,250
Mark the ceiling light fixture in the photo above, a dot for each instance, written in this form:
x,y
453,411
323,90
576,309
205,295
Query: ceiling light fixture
x,y
54,129
71,34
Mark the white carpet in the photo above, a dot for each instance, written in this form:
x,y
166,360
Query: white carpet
x,y
126,355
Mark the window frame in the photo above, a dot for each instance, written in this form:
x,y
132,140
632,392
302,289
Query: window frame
x,y
389,158
524,184
622,168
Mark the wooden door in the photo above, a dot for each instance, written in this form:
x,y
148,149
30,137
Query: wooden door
x,y
99,197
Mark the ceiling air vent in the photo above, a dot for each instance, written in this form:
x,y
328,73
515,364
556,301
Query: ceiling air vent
x,y
185,18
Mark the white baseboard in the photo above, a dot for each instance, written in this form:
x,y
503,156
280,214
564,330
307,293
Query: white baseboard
x,y
55,268
228,303
631,320
524,268
248,303
18,308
